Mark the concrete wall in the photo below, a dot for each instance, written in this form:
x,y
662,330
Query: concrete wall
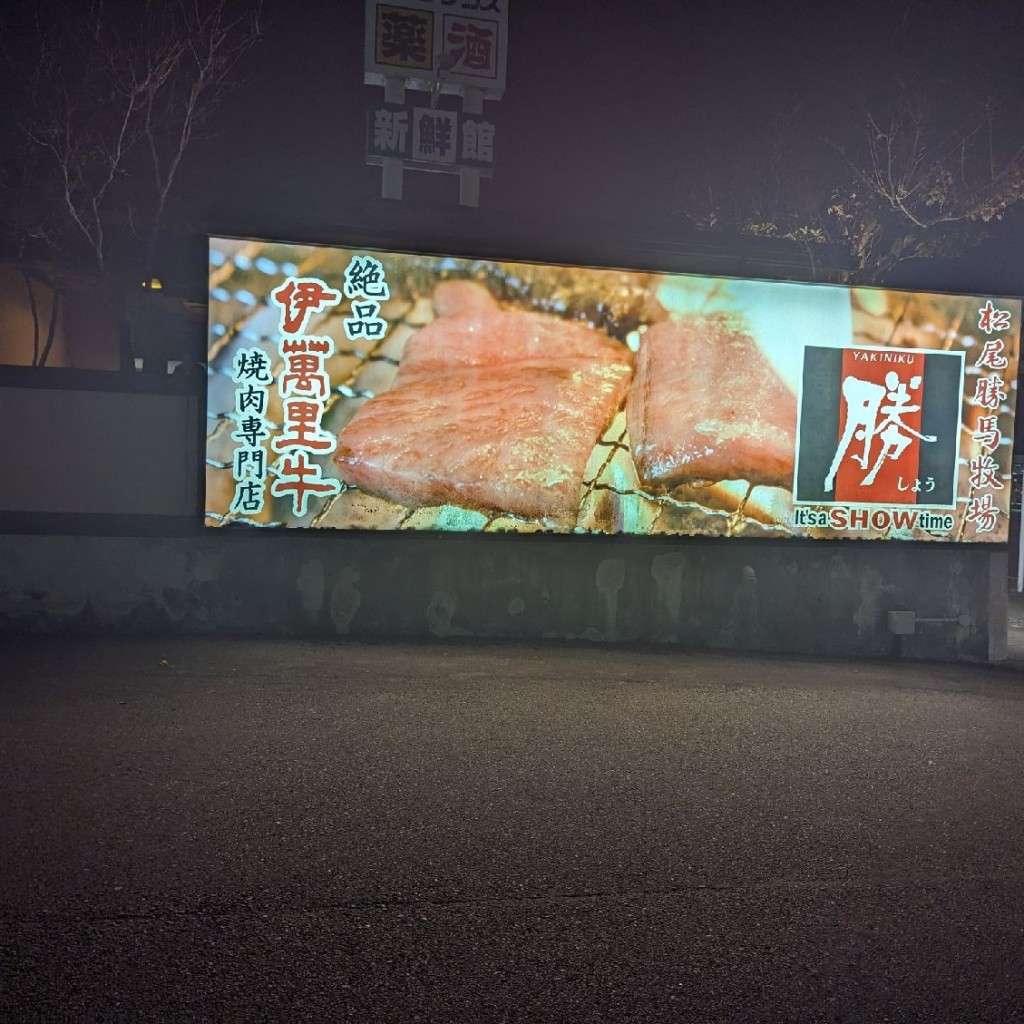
x,y
103,460
98,452
800,597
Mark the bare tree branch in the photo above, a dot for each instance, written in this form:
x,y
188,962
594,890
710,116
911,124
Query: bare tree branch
x,y
112,103
905,190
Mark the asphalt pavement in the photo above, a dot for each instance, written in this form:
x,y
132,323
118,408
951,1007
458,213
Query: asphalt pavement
x,y
229,830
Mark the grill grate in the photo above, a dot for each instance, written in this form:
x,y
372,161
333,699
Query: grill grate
x,y
241,316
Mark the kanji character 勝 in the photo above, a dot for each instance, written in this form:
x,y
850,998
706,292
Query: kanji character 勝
x,y
302,428
983,513
862,398
991,357
987,432
991,319
300,478
251,364
864,405
299,297
249,497
984,472
304,366
988,392
364,278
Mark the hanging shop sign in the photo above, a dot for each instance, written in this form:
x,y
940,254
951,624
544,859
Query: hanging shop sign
x,y
452,55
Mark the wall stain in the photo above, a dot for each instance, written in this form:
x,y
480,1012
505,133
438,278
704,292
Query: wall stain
x,y
825,598
345,600
611,575
743,629
440,612
872,591
310,585
667,573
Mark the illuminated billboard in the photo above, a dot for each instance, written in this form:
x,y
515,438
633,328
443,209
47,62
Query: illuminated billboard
x,y
369,390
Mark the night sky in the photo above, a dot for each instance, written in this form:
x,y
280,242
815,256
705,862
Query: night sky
x,y
614,113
